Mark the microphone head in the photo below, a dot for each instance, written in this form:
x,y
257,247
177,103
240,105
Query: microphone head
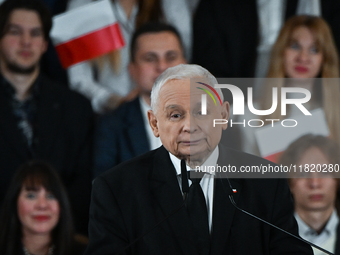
x,y
184,174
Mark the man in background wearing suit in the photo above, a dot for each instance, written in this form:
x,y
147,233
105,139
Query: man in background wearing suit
x,y
142,206
125,132
39,118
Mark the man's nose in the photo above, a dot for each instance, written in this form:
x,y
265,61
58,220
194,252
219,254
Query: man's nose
x,y
26,38
162,65
315,182
190,125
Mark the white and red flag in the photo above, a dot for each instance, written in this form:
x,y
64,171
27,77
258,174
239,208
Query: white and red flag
x,y
86,32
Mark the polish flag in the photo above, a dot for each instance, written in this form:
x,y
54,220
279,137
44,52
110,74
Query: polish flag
x,y
86,32
273,141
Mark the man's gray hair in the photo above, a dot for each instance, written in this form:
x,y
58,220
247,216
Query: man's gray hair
x,y
181,72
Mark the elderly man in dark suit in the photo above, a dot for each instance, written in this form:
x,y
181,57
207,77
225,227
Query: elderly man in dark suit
x,y
145,205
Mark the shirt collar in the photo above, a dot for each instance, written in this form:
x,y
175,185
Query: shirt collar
x,y
211,161
144,107
330,227
332,222
10,90
122,15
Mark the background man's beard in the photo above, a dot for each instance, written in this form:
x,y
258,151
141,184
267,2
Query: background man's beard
x,y
21,70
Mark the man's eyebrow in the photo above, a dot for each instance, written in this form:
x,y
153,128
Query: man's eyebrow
x,y
148,53
197,105
172,51
173,106
13,25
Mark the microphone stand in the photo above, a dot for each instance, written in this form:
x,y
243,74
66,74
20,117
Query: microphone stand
x,y
231,198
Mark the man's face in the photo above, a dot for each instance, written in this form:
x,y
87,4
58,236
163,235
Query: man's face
x,y
317,193
179,123
155,52
23,43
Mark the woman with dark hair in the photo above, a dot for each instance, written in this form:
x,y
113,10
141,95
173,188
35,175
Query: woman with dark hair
x,y
36,215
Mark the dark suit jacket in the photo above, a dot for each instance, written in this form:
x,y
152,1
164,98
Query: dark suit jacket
x,y
50,63
226,34
131,199
120,135
337,244
63,136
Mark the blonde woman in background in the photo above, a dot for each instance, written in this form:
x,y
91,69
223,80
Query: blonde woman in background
x,y
105,80
303,51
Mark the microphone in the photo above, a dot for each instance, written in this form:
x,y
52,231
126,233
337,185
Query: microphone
x,y
185,183
231,198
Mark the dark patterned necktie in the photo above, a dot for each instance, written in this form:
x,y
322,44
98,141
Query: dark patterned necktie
x,y
198,213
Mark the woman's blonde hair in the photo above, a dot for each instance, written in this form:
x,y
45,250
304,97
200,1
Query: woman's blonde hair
x,y
324,42
113,57
330,91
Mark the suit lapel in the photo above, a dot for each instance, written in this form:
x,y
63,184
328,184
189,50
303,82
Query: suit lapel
x,y
9,129
223,212
337,242
168,195
136,133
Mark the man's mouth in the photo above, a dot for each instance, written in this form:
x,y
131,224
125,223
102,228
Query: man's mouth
x,y
316,197
25,54
191,142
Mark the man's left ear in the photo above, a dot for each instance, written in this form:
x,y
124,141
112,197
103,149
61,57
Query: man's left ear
x,y
225,113
153,123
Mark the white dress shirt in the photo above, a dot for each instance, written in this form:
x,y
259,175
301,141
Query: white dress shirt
x,y
310,7
326,239
207,182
